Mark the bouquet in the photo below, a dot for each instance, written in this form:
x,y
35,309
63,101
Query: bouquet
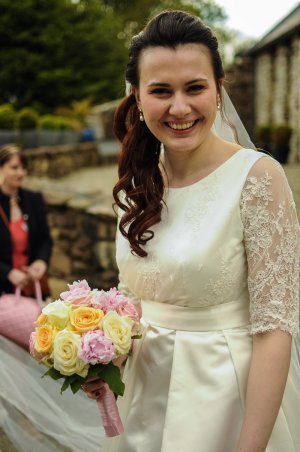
x,y
83,335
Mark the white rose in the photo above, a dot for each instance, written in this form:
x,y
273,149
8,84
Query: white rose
x,y
65,354
118,330
58,314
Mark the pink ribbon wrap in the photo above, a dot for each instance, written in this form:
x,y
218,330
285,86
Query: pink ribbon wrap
x,y
109,412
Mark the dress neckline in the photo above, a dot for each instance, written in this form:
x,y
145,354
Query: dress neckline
x,y
19,220
213,172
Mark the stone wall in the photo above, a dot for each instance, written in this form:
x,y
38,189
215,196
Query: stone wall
x,y
263,89
58,161
83,233
277,89
239,85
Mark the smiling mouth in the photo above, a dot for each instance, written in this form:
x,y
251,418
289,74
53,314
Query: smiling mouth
x,y
182,126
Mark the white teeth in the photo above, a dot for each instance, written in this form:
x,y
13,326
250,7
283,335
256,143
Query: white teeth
x,y
183,126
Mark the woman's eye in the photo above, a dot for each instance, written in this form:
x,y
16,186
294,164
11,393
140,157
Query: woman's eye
x,y
195,88
160,91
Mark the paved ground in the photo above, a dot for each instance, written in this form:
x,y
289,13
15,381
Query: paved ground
x,y
87,181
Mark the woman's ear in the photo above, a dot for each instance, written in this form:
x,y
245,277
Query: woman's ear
x,y
136,93
221,84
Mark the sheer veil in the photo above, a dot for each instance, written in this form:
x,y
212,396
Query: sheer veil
x,y
34,416
228,124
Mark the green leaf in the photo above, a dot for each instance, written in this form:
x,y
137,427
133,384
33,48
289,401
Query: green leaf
x,y
66,384
74,381
76,384
95,370
137,336
112,376
53,373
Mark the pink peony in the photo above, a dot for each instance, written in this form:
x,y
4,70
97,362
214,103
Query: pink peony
x,y
128,309
96,348
107,301
79,293
36,355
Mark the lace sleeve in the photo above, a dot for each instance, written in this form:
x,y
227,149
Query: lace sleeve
x,y
271,236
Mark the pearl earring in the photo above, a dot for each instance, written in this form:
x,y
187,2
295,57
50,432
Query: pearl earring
x,y
141,116
218,104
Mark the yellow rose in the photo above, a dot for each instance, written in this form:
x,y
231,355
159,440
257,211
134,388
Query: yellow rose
x,y
43,338
65,354
85,319
118,329
58,314
42,319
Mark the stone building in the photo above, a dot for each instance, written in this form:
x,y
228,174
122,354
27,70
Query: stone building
x,y
276,78
269,77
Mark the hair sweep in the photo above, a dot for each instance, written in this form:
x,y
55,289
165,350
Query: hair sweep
x,y
7,151
140,188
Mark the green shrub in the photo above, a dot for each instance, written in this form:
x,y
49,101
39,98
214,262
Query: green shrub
x,y
263,134
63,123
281,134
7,117
52,122
27,118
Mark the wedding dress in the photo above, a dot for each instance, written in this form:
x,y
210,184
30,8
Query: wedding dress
x,y
223,265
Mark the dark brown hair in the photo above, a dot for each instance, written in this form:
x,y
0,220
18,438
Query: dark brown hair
x,y
139,191
7,151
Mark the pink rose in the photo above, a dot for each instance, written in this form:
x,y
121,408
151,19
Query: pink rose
x,y
36,355
107,301
128,309
79,293
96,348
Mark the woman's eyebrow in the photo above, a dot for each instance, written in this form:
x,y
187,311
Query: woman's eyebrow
x,y
196,80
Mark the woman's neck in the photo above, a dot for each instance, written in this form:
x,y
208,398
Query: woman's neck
x,y
9,191
185,168
182,167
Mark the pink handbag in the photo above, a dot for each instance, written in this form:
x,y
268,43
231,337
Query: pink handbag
x,y
18,314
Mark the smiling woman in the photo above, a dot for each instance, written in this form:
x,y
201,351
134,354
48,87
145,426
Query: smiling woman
x,y
178,95
208,248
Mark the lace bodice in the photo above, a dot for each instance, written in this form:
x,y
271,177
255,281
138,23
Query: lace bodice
x,y
233,235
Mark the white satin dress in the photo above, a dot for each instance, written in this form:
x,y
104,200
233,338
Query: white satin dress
x,y
223,265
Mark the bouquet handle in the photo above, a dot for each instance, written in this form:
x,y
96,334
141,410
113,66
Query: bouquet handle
x,y
109,412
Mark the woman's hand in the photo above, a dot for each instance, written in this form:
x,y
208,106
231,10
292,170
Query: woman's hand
x,y
93,388
18,278
37,269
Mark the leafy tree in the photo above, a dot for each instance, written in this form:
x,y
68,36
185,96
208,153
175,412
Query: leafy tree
x,y
55,51
135,14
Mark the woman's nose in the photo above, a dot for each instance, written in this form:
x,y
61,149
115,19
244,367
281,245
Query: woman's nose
x,y
179,106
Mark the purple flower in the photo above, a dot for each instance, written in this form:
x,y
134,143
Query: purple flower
x,y
96,348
